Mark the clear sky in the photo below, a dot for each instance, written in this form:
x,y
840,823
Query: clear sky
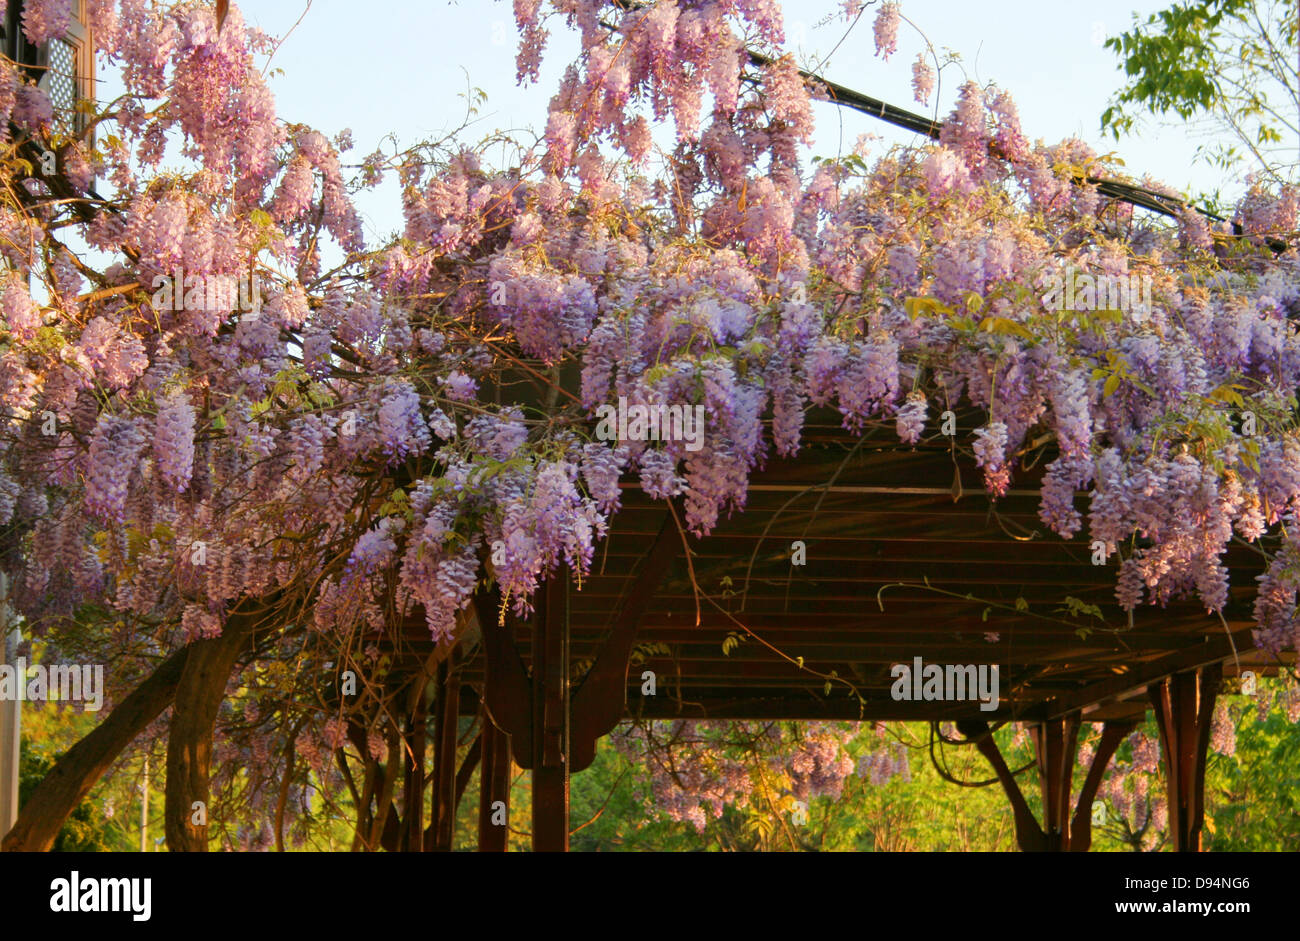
x,y
398,66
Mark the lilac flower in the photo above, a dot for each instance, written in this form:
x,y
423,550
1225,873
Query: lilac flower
x,y
601,468
21,315
922,79
115,447
173,441
658,474
44,20
498,437
910,422
293,198
1223,733
372,550
402,429
823,366
991,445
885,29
460,387
869,380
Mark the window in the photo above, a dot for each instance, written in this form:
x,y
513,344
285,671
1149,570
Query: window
x,y
64,68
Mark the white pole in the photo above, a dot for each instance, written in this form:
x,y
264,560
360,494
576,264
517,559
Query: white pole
x,y
10,719
144,809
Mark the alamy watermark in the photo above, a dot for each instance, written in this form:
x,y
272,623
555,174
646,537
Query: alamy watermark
x,y
183,291
77,894
1082,292
58,683
651,423
933,682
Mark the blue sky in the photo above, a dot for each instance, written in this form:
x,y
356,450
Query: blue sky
x,y
399,67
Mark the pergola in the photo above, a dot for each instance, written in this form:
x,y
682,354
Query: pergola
x,y
906,556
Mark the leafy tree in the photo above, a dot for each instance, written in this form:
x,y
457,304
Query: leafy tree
x,y
1232,65
85,830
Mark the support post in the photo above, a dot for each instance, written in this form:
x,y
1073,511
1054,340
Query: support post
x,y
550,718
507,688
1184,708
444,758
1029,835
11,715
1055,743
601,699
1112,733
144,808
494,790
413,810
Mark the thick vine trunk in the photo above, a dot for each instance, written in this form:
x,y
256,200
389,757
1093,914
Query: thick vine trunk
x,y
74,774
199,693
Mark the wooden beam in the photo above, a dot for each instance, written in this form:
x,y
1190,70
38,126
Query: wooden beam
x,y
494,790
506,687
601,700
1213,651
446,722
1184,707
1112,734
550,717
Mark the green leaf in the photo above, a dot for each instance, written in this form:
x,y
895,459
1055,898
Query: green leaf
x,y
1004,326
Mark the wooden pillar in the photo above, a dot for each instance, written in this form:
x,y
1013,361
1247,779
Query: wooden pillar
x,y
1029,835
446,727
600,702
1112,733
551,729
1184,707
550,717
494,789
414,742
1054,745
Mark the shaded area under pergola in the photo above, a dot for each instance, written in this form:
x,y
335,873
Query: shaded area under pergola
x,y
905,556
